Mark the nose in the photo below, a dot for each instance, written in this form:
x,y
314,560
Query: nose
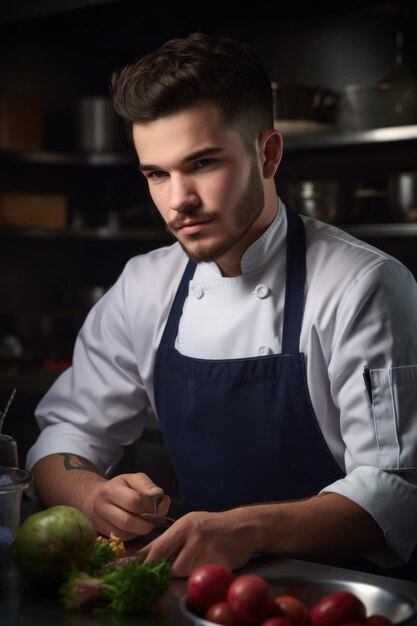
x,y
183,194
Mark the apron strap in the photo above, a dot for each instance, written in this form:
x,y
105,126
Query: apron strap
x,y
294,283
171,328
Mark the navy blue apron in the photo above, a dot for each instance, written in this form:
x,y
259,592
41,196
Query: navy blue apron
x,y
243,431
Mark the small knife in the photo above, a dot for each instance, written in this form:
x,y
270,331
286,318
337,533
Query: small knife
x,y
158,520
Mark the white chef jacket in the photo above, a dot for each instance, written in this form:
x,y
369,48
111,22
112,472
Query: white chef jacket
x,y
360,309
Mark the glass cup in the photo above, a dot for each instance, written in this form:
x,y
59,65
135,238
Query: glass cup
x,y
8,451
13,482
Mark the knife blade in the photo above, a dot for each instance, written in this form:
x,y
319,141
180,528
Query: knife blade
x,y
158,520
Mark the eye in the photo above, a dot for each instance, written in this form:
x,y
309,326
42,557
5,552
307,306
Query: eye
x,y
204,163
155,175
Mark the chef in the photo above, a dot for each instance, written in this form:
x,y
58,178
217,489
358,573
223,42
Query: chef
x,y
278,352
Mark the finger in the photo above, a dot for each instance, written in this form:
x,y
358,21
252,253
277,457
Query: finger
x,y
105,527
143,552
144,485
130,492
117,494
112,516
194,554
186,559
166,546
129,500
163,506
183,566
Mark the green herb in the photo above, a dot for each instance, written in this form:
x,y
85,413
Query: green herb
x,y
130,588
103,553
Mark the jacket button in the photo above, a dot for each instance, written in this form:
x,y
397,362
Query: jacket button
x,y
263,350
261,291
198,291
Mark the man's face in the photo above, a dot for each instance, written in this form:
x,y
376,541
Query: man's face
x,y
204,183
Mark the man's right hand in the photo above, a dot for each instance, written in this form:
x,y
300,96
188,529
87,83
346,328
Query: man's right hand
x,y
115,505
112,505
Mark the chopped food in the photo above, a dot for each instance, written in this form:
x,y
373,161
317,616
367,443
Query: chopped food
x,y
134,587
59,548
103,554
107,550
115,543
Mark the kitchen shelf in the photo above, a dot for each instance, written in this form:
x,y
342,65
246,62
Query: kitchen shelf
x,y
330,139
45,157
381,230
140,234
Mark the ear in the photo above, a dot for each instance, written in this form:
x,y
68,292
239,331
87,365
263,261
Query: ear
x,y
270,147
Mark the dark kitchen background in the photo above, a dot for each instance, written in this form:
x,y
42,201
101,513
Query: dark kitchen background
x,y
73,207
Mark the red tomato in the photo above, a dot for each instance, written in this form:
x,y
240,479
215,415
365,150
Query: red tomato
x,y
337,608
221,613
277,621
250,598
206,585
293,608
378,620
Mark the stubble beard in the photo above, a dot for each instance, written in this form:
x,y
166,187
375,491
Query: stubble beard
x,y
247,212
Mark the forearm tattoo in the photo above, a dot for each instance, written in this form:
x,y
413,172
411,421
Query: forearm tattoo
x,y
75,462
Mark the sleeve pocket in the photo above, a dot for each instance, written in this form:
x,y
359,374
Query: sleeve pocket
x,y
394,393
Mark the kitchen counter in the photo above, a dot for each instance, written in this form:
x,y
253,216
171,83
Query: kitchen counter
x,y
20,606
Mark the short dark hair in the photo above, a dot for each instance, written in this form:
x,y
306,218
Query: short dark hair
x,y
199,67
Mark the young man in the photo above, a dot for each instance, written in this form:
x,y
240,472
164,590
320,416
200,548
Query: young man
x,y
278,352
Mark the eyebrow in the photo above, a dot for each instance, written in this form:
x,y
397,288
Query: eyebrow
x,y
199,154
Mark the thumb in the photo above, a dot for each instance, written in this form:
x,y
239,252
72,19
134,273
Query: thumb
x,y
147,486
161,501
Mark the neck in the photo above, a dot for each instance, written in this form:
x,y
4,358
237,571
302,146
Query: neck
x,y
230,263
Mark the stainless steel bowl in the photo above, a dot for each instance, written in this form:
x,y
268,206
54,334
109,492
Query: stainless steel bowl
x,y
397,606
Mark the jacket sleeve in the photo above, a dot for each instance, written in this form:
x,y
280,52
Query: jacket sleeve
x,y
377,327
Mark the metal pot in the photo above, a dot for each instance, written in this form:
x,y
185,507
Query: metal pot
x,y
369,204
304,102
402,196
97,126
391,102
320,199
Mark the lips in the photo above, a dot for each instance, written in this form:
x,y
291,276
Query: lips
x,y
190,227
